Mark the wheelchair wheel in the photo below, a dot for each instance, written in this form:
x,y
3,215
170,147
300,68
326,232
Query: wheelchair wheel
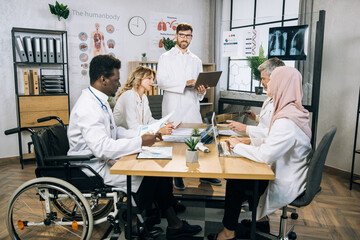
x,y
100,210
31,213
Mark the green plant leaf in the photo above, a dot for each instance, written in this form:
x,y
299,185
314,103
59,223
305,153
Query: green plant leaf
x,y
52,9
66,14
57,8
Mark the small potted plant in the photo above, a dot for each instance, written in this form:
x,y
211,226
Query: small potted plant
x,y
143,58
254,62
60,10
196,134
192,154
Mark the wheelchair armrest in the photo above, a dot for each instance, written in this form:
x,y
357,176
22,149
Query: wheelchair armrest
x,y
17,130
65,158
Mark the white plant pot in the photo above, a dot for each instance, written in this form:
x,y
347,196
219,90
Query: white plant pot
x,y
144,59
196,138
192,156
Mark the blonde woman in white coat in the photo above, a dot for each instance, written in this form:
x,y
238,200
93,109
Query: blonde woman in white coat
x,y
285,149
132,106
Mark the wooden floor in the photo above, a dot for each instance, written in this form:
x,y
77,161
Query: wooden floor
x,y
333,214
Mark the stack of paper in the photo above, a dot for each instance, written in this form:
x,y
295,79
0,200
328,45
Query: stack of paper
x,y
154,127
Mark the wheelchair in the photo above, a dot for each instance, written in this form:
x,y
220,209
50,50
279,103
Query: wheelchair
x,y
63,202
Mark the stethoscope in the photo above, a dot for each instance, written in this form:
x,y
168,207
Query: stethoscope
x,y
103,106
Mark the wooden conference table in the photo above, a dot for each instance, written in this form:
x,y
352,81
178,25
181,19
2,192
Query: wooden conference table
x,y
210,165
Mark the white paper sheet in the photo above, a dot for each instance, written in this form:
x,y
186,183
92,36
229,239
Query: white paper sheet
x,y
154,127
155,153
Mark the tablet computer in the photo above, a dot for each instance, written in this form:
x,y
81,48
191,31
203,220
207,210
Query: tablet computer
x,y
208,79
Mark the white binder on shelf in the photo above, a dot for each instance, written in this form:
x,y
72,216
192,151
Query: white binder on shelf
x,y
20,49
58,55
51,50
36,49
44,51
28,49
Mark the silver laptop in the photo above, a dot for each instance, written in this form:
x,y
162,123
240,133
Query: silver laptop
x,y
222,147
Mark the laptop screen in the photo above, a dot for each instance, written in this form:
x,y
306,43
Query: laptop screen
x,y
216,131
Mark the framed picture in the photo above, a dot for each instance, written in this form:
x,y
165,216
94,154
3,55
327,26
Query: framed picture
x,y
288,43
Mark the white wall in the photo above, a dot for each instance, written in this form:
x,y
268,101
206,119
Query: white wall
x,y
35,14
340,78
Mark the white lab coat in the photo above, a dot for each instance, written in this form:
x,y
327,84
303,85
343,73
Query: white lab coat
x,y
174,69
264,118
92,131
130,111
286,150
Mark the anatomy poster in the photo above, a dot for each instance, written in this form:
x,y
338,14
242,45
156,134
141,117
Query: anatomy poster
x,y
89,35
164,25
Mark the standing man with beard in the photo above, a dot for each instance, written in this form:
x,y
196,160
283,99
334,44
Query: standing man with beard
x,y
177,70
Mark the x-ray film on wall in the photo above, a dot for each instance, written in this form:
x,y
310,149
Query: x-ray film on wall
x,y
288,43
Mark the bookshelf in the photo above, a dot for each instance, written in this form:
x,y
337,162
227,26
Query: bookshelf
x,y
206,105
41,78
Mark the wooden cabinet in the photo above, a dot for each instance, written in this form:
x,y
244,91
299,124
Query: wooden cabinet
x,y
206,105
33,108
41,77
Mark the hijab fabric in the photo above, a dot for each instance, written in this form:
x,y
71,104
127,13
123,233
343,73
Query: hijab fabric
x,y
286,90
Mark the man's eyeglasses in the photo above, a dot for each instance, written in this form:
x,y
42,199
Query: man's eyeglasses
x,y
188,36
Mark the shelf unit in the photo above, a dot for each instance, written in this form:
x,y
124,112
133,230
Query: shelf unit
x,y
210,94
355,151
30,107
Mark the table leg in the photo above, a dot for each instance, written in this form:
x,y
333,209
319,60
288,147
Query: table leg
x,y
129,207
254,207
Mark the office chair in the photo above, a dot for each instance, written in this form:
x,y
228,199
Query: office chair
x,y
63,202
313,181
155,102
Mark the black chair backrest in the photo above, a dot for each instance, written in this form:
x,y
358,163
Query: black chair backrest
x,y
155,103
316,166
50,141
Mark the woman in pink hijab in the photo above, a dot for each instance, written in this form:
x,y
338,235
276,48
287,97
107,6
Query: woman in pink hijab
x,y
285,149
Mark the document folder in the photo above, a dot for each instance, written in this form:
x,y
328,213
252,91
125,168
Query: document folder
x,y
52,84
20,49
44,51
28,49
51,50
36,49
34,82
26,82
59,58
